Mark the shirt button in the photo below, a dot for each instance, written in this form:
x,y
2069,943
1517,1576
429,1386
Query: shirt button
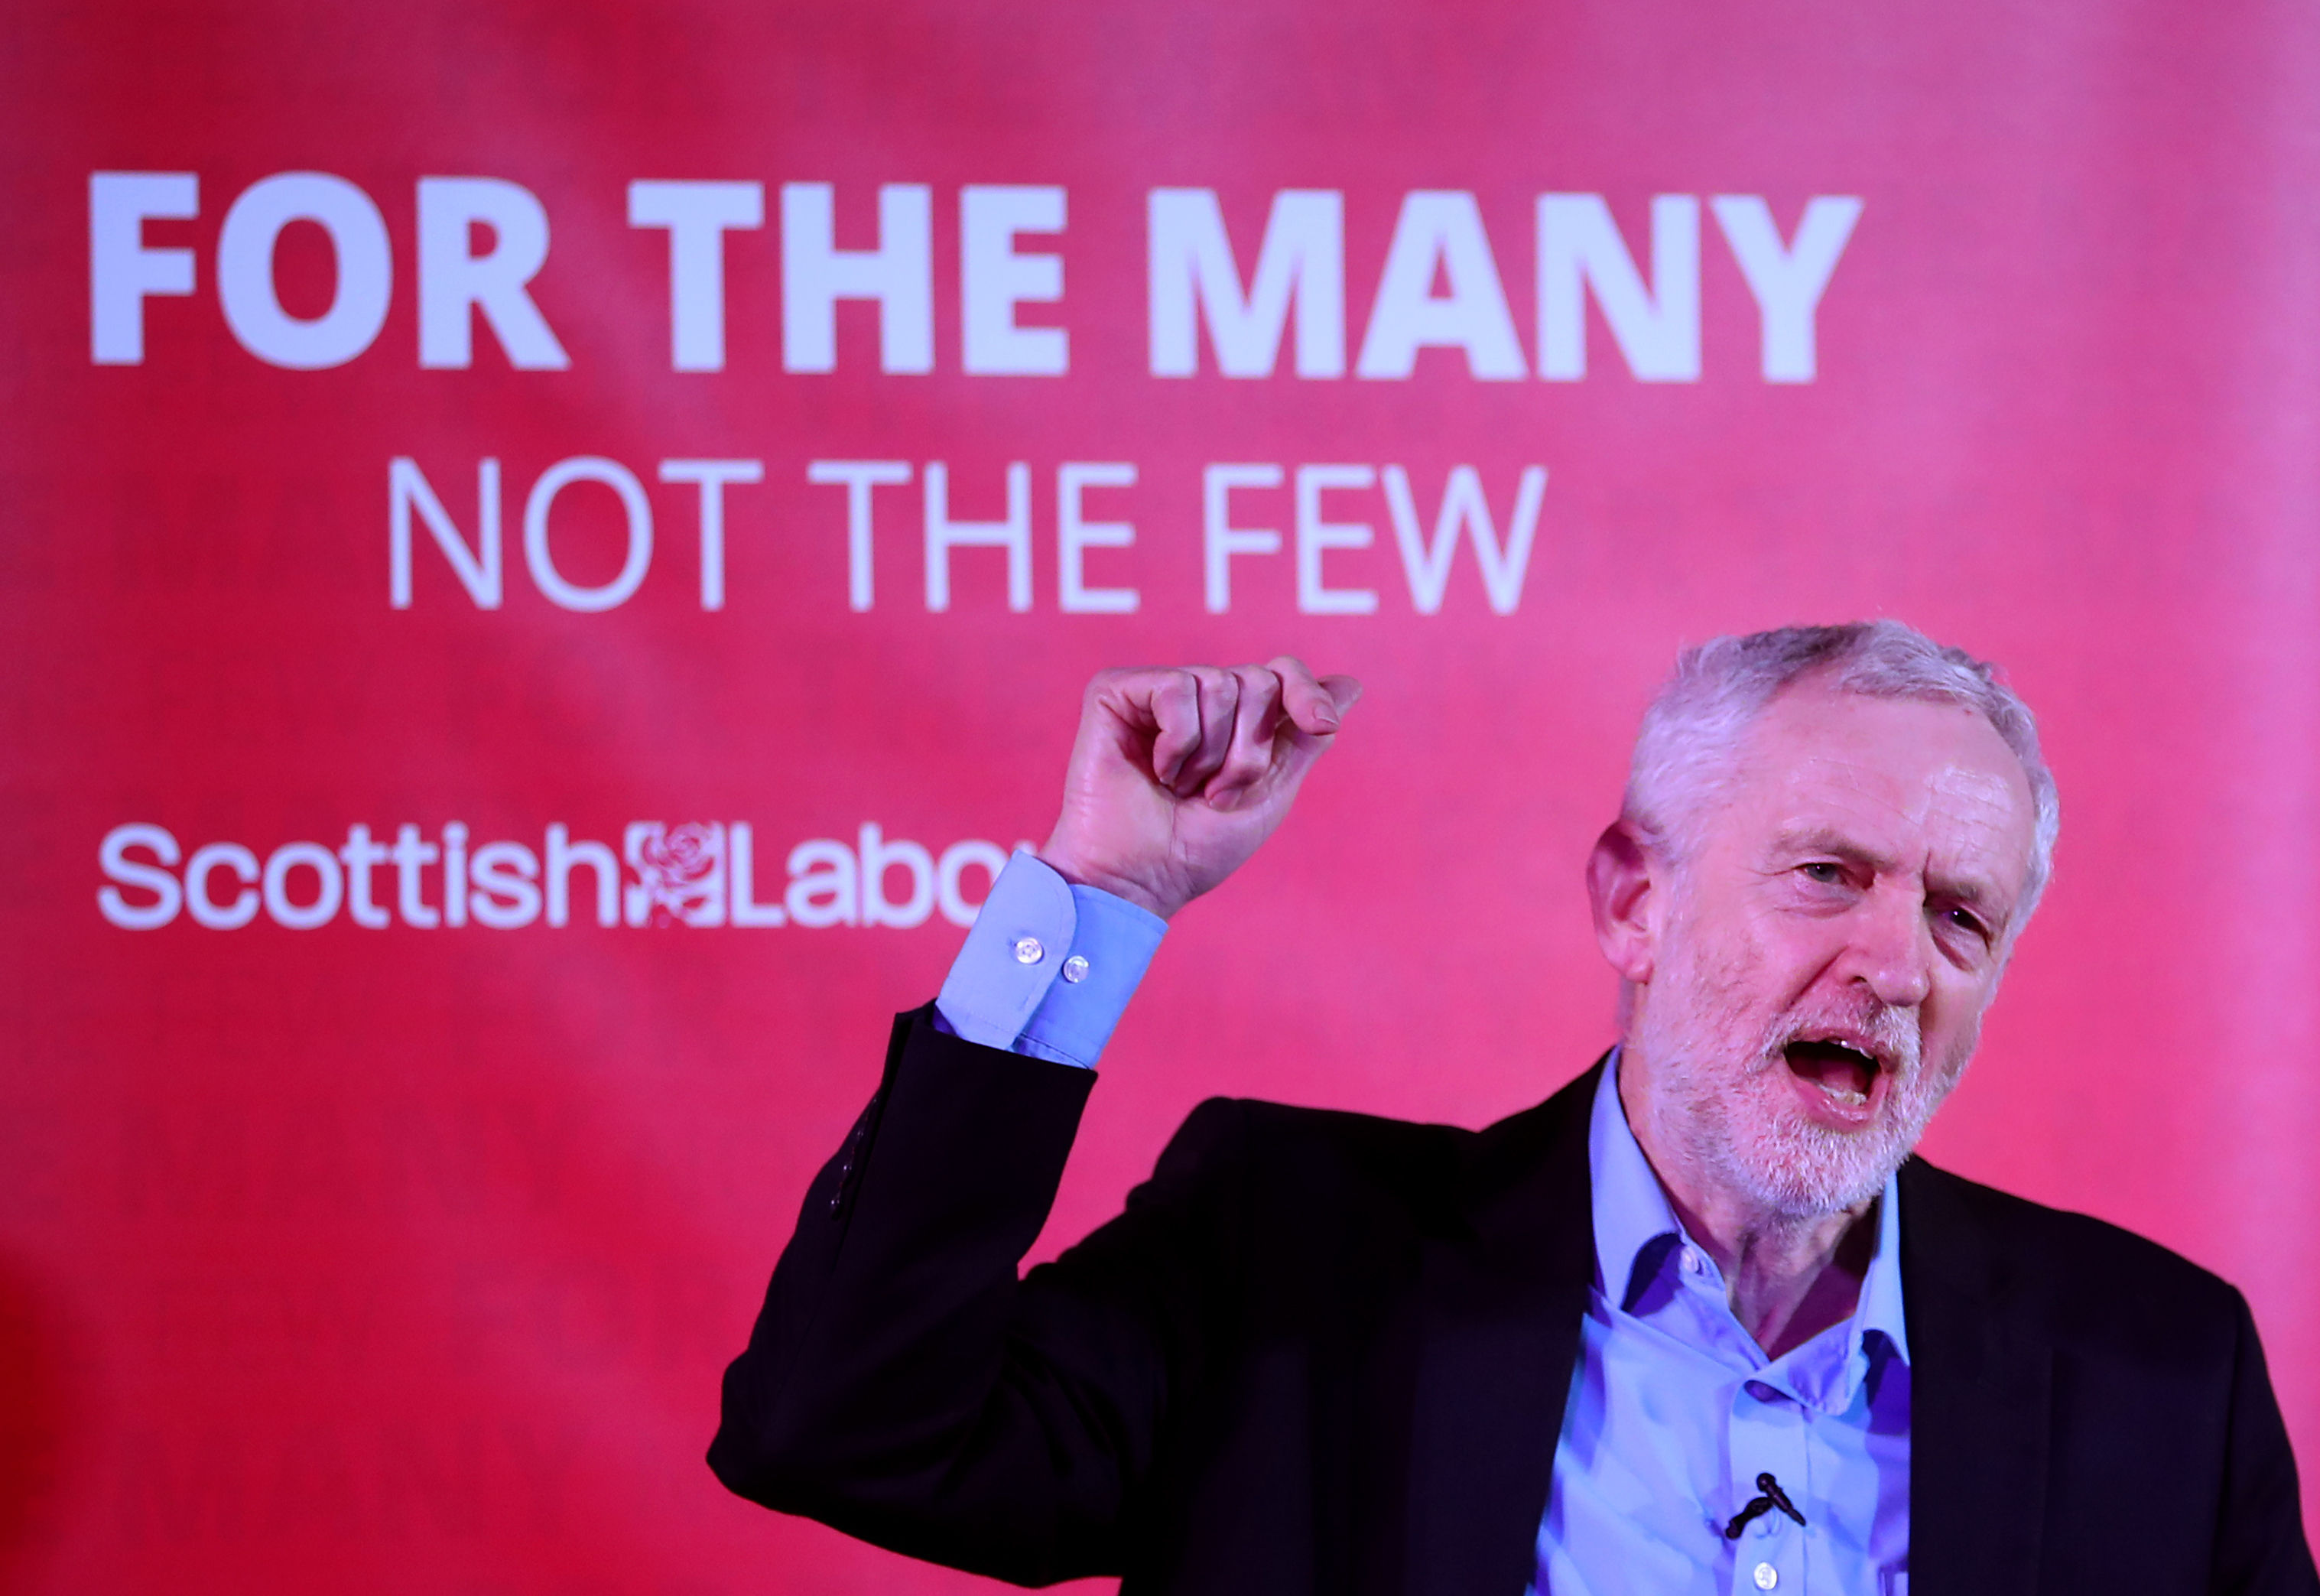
x,y
1027,950
1691,1264
1076,969
1766,1576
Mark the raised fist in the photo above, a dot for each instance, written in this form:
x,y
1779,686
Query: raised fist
x,y
1179,772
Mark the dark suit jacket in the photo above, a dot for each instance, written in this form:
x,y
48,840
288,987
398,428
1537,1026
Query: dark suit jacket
x,y
1321,1352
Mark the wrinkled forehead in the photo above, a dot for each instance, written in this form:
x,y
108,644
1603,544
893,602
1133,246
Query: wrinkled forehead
x,y
1913,777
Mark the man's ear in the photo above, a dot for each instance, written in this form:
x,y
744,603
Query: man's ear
x,y
1625,900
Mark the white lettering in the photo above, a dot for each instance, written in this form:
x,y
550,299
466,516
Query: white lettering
x,y
1316,535
745,910
206,910
823,889
503,874
858,478
1427,564
563,855
478,570
899,274
879,856
943,534
123,273
1219,538
245,271
1788,282
1189,264
411,856
361,856
1440,230
454,873
710,476
276,887
1075,535
993,280
698,873
452,282
113,858
697,216
542,564
1656,329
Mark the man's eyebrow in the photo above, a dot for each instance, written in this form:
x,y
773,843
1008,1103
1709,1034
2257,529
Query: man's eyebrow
x,y
1822,839
1977,892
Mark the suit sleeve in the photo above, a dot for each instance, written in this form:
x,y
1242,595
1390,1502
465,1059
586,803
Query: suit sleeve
x,y
903,1385
2260,1547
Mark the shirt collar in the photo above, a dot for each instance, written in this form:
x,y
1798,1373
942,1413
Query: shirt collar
x,y
1636,1228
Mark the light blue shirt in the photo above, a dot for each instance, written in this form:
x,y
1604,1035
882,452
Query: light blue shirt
x,y
1048,967
1674,1409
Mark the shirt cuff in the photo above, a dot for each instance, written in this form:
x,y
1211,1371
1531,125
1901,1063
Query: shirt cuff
x,y
1048,967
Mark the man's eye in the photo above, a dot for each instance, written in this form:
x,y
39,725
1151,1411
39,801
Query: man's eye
x,y
1967,922
1824,871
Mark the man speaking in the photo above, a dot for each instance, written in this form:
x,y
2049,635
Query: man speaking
x,y
1697,1323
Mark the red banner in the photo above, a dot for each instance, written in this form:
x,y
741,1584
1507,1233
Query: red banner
x,y
552,551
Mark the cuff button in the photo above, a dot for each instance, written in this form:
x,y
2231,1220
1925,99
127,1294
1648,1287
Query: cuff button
x,y
1027,950
1076,969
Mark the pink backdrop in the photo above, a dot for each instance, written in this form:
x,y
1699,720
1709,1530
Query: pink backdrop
x,y
403,1257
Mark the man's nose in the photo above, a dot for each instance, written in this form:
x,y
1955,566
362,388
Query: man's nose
x,y
1893,949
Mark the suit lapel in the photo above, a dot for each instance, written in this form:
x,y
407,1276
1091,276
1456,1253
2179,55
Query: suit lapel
x,y
1502,1289
1980,1403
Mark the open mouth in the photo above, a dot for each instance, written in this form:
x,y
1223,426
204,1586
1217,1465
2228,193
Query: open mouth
x,y
1845,1073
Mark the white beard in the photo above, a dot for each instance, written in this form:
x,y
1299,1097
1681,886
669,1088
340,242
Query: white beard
x,y
1722,1098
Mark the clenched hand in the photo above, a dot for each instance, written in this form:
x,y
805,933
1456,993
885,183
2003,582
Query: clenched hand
x,y
1179,772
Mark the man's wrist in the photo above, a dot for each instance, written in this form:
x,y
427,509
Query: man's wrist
x,y
1064,862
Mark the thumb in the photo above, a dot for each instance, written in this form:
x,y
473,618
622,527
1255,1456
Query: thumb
x,y
1295,747
1312,706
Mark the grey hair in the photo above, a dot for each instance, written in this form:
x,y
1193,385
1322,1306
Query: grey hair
x,y
1692,730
